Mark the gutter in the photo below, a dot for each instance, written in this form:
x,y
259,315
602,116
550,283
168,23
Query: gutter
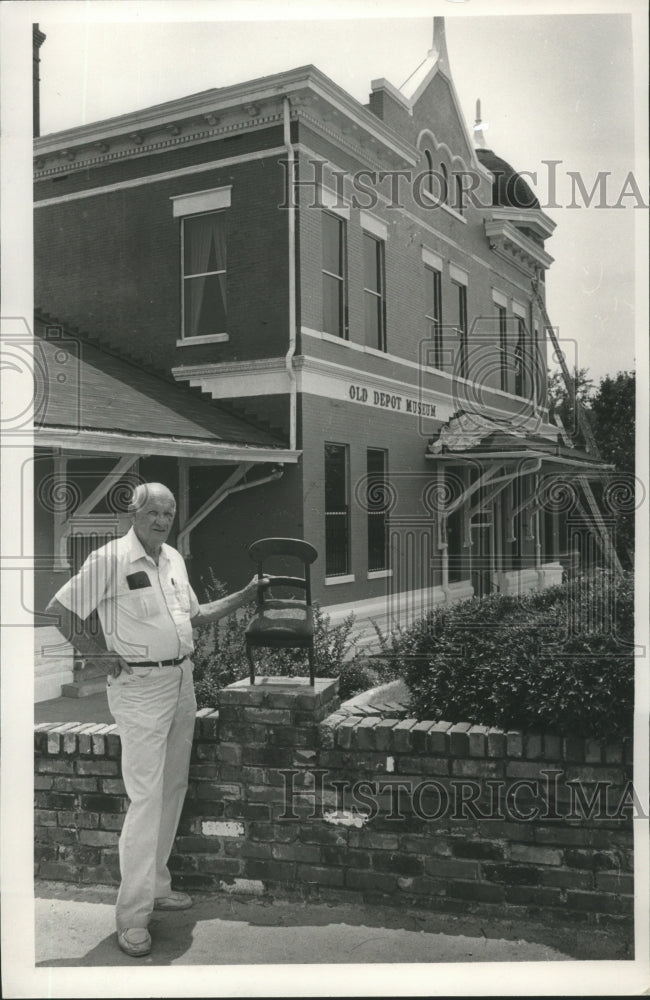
x,y
293,392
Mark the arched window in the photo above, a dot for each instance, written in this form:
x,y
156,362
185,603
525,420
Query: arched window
x,y
444,173
428,184
459,193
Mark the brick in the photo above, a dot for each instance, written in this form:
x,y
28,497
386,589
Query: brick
x,y
238,810
594,902
479,849
54,800
401,864
63,871
80,855
552,747
369,840
533,743
535,855
229,753
98,838
419,735
438,738
268,716
203,772
534,896
401,736
307,853
245,886
45,817
364,734
615,882
425,845
496,742
573,749
451,868
423,765
370,880
479,891
478,741
592,860
266,756
459,739
612,775
514,743
510,874
384,734
274,871
477,768
42,782
103,803
524,769
211,828
56,835
562,878
45,852
44,766
111,821
75,784
102,768
113,745
113,786
561,833
593,752
82,820
317,833
320,875
218,790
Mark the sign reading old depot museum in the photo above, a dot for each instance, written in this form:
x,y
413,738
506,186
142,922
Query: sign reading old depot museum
x,y
391,401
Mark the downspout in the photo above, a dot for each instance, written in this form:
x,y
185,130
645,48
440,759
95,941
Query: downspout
x,y
293,394
182,540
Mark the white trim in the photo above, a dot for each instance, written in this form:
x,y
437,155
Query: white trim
x,y
208,338
519,309
201,201
371,224
331,201
333,339
458,275
500,298
431,259
115,443
452,211
379,574
166,175
331,581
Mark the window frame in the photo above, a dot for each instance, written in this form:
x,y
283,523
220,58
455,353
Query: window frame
x,y
346,513
341,221
435,322
382,513
217,335
463,332
380,294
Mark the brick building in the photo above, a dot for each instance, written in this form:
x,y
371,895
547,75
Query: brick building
x,y
308,317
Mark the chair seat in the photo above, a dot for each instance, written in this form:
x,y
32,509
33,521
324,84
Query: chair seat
x,y
281,626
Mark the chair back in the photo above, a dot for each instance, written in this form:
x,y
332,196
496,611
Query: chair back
x,y
294,548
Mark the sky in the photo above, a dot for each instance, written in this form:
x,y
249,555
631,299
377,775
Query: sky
x,y
552,87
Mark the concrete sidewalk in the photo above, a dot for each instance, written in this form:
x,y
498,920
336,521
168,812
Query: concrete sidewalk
x,y
75,927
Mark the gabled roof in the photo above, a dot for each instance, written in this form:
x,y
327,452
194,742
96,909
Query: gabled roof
x,y
92,393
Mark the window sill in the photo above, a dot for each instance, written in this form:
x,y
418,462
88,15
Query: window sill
x,y
211,338
332,581
379,574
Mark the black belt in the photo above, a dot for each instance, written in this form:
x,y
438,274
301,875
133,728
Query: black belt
x,y
157,663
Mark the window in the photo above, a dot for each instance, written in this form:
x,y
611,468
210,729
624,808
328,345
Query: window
x,y
377,469
444,192
434,312
503,348
428,184
204,274
459,193
462,367
520,357
337,510
334,291
373,292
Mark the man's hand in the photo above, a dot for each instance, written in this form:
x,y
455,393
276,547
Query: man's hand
x,y
108,663
250,590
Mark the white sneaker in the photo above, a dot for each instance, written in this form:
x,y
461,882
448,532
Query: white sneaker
x,y
174,901
134,941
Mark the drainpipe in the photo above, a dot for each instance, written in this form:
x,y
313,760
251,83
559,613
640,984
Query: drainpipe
x,y
183,540
293,396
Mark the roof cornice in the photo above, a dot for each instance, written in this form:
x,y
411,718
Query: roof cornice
x,y
211,114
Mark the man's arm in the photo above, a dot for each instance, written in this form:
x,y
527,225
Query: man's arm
x,y
75,630
215,610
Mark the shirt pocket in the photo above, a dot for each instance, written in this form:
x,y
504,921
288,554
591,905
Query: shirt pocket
x,y
139,604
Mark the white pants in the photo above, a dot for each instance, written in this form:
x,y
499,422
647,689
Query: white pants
x,y
155,710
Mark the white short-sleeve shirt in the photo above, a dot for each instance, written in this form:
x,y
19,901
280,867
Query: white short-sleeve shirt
x,y
145,609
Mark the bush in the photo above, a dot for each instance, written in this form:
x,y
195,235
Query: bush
x,y
220,654
561,659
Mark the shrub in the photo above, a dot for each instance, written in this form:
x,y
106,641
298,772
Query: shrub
x,y
220,654
561,659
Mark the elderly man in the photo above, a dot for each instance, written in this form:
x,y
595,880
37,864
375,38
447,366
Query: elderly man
x,y
147,609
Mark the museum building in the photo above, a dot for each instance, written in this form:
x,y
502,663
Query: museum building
x,y
309,317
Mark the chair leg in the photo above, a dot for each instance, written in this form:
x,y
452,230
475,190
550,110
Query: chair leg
x,y
311,665
251,664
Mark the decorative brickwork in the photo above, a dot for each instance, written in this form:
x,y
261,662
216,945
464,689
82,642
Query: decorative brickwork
x,y
291,794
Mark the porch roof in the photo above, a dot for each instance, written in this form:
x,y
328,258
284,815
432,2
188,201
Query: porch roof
x,y
93,398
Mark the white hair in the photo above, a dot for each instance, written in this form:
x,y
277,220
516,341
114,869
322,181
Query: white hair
x,y
143,491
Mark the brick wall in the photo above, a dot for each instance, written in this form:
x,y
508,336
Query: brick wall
x,y
242,832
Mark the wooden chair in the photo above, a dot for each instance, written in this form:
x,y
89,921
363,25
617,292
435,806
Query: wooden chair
x,y
282,623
